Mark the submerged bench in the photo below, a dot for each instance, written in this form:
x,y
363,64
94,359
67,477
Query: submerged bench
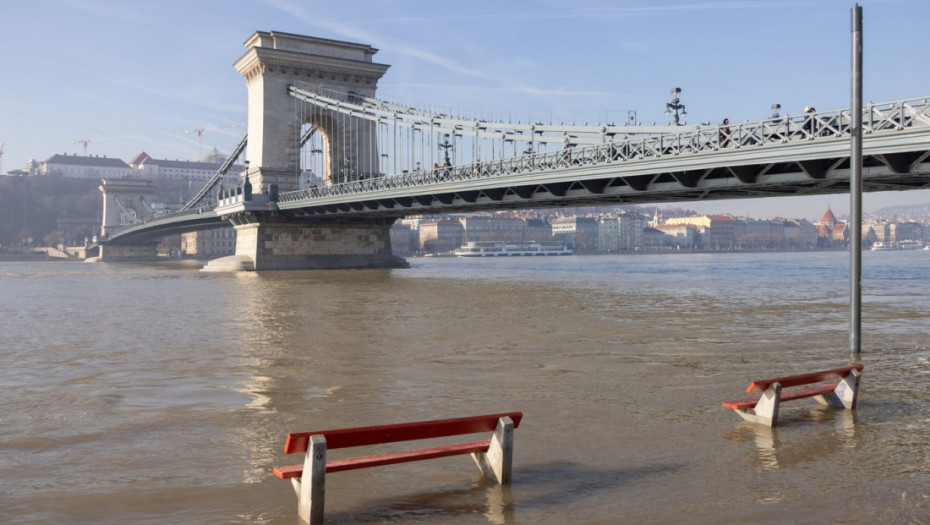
x,y
494,456
764,409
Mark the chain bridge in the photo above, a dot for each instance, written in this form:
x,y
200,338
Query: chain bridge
x,y
376,161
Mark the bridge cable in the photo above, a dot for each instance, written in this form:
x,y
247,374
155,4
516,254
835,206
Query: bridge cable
x,y
218,176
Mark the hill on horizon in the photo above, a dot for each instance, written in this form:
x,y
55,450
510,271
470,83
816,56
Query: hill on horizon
x,y
903,212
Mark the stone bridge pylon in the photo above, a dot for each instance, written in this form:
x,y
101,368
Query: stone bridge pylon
x,y
125,201
265,238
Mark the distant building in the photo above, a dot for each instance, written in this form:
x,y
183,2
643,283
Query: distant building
x,y
831,232
875,231
717,232
538,229
631,231
758,234
799,234
150,168
579,233
209,244
653,239
682,237
493,228
84,167
608,235
906,231
440,235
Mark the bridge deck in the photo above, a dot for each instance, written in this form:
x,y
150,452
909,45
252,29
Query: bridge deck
x,y
803,155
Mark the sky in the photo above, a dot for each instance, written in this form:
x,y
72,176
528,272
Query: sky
x,y
135,76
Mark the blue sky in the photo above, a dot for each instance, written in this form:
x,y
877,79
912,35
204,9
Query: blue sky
x,y
133,76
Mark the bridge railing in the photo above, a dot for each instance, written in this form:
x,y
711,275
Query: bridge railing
x,y
883,117
877,118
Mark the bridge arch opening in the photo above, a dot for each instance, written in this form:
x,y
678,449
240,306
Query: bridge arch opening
x,y
339,147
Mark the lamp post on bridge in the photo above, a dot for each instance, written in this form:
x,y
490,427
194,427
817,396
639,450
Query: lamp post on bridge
x,y
529,152
314,152
445,147
675,106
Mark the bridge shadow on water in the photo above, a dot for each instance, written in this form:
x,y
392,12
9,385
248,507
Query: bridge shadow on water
x,y
539,489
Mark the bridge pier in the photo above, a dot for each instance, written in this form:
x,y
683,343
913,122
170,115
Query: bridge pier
x,y
268,242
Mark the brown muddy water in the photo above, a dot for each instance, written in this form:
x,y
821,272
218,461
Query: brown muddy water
x,y
160,394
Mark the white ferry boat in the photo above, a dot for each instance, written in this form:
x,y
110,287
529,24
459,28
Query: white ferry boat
x,y
508,249
900,245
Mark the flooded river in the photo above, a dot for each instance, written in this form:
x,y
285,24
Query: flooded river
x,y
141,394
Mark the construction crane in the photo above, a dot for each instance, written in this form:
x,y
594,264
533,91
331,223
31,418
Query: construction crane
x,y
85,142
199,133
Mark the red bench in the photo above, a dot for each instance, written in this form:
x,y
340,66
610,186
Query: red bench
x,y
494,456
764,409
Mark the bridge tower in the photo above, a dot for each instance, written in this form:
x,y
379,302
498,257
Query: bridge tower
x,y
265,238
276,60
124,202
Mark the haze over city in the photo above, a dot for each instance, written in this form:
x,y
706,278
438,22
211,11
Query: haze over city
x,y
119,78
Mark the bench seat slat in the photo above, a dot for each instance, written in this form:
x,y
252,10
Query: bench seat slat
x,y
377,460
803,379
786,395
358,437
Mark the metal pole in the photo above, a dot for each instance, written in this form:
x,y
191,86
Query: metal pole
x,y
855,187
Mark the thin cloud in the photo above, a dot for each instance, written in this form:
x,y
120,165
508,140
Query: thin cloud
x,y
350,32
199,99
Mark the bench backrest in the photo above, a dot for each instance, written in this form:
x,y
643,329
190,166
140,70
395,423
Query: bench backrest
x,y
358,437
803,379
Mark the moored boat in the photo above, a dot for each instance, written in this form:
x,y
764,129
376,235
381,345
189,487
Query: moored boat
x,y
512,249
897,245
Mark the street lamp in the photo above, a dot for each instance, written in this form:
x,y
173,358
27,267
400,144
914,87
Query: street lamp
x,y
246,185
675,106
445,147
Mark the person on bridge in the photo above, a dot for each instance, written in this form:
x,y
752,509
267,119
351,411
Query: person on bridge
x,y
724,135
809,120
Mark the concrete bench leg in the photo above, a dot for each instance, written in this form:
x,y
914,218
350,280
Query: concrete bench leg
x,y
766,410
846,394
311,488
497,462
